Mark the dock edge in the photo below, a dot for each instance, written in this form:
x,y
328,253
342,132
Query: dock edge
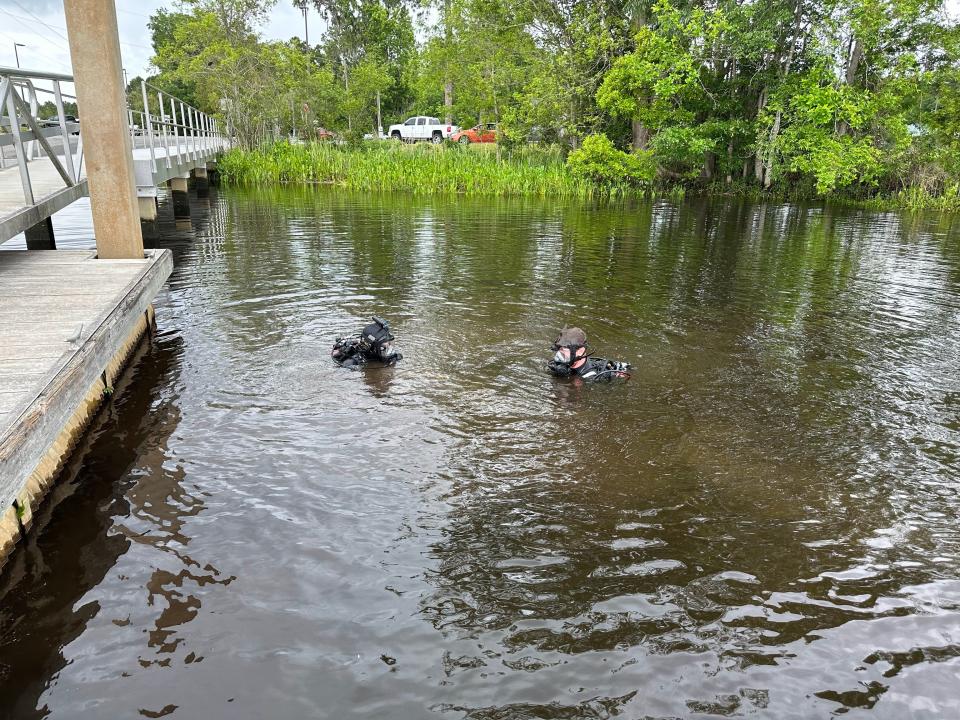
x,y
37,446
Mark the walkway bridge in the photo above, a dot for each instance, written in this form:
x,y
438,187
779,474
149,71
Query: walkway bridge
x,y
42,162
70,320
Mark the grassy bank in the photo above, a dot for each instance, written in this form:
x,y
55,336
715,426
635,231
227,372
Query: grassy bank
x,y
481,171
417,169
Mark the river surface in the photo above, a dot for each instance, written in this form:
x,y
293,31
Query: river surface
x,y
762,522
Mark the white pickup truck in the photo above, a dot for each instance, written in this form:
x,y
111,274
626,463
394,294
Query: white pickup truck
x,y
422,128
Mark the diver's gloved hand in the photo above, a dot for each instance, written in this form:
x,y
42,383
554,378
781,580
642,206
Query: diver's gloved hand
x,y
618,366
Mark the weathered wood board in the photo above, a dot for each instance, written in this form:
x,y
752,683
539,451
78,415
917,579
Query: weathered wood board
x,y
63,316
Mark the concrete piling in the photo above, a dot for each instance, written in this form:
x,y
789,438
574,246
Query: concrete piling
x,y
181,197
40,236
200,182
147,205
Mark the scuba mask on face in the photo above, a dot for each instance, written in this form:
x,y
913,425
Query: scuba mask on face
x,y
570,351
572,356
387,351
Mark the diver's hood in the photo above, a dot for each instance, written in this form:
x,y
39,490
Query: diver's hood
x,y
378,340
571,351
571,337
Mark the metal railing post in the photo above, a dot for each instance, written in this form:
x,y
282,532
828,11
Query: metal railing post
x,y
149,124
33,108
64,135
184,120
187,117
193,131
183,130
173,120
163,129
18,145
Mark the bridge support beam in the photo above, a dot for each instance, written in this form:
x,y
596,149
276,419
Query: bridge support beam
x,y
97,72
40,236
181,197
200,182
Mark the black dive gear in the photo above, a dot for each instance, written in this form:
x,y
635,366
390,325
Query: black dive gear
x,y
373,344
572,359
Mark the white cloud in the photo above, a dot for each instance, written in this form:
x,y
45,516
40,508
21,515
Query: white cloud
x,y
40,26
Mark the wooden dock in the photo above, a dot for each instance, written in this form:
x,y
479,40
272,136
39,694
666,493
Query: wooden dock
x,y
68,323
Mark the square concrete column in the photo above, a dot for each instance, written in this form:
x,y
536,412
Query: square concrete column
x,y
200,182
108,152
179,190
149,229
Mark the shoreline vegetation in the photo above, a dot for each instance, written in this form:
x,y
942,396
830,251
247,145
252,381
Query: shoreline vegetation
x,y
526,171
855,102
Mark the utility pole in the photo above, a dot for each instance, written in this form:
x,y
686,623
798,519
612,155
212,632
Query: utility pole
x,y
304,4
16,54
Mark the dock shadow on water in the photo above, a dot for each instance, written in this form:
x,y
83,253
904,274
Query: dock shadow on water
x,y
762,522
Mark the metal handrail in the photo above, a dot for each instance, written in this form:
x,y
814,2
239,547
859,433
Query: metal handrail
x,y
35,74
19,106
192,131
175,131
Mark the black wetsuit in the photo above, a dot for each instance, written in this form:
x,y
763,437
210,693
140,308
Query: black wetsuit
x,y
592,368
373,344
351,353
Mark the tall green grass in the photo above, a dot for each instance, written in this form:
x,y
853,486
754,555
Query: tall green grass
x,y
416,169
483,170
915,198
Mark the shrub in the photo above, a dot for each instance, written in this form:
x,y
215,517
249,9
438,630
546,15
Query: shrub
x,y
599,161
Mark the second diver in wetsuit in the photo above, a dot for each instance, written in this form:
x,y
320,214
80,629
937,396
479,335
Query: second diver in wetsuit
x,y
572,359
372,344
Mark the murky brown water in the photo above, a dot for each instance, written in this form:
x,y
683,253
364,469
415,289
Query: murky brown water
x,y
763,522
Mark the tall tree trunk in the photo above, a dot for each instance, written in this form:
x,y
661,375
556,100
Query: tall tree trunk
x,y
730,161
730,72
853,64
448,101
758,157
775,130
447,80
709,160
641,135
768,165
346,87
379,120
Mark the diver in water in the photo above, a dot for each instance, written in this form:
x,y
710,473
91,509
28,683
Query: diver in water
x,y
572,359
372,344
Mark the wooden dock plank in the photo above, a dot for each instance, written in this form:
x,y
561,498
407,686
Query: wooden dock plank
x,y
43,375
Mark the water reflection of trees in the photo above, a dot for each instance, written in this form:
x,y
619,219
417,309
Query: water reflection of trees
x,y
695,512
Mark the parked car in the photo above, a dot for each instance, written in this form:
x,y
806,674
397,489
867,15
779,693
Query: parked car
x,y
422,128
486,133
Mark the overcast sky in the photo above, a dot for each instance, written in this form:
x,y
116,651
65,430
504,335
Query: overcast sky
x,y
40,26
